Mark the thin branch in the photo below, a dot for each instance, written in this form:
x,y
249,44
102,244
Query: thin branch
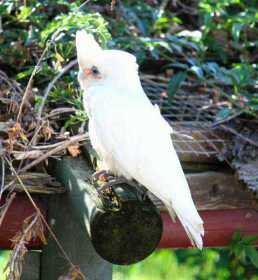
x,y
83,4
59,111
52,83
63,145
46,147
162,7
237,114
15,263
6,207
233,131
32,141
29,85
41,215
2,177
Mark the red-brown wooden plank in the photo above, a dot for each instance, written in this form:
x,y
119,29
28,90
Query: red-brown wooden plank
x,y
19,210
220,226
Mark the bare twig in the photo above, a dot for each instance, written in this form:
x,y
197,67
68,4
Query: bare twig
x,y
187,9
42,217
32,141
241,136
112,5
46,147
162,7
62,145
237,114
34,73
2,177
83,4
52,83
6,206
29,85
59,111
20,240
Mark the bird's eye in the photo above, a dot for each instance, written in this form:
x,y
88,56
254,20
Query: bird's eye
x,y
94,70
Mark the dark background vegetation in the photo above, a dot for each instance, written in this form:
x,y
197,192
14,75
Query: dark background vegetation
x,y
214,42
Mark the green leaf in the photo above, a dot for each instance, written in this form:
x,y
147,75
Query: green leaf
x,y
236,236
198,71
236,29
253,255
212,68
24,13
177,65
38,102
249,239
175,83
24,74
222,114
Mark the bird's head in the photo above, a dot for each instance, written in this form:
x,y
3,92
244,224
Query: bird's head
x,y
97,65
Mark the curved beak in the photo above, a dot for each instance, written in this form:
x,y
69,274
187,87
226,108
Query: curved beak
x,y
87,71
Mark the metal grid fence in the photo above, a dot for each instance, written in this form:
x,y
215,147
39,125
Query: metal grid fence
x,y
191,114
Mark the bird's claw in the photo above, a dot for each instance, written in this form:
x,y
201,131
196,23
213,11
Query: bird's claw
x,y
110,182
103,176
145,195
104,182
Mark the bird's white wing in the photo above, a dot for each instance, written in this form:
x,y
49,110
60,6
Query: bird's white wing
x,y
131,131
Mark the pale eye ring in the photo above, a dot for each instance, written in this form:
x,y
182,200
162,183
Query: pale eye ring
x,y
94,70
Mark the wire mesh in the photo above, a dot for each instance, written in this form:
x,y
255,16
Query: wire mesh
x,y
191,114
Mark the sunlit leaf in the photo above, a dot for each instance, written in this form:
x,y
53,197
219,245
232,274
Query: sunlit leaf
x,y
175,83
236,29
223,113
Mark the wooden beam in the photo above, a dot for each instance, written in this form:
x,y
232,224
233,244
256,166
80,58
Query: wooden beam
x,y
216,190
36,183
75,240
219,226
119,223
19,210
219,190
211,190
31,267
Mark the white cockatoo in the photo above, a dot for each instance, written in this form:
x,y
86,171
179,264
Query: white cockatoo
x,y
129,134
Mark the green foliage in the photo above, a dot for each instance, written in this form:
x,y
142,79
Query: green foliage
x,y
216,46
243,250
175,83
4,257
28,28
186,265
218,52
234,20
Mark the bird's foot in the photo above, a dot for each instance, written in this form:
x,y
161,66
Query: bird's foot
x,y
143,192
102,176
110,182
106,191
145,195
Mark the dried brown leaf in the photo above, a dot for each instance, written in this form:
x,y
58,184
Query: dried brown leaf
x,y
74,150
47,132
15,133
32,228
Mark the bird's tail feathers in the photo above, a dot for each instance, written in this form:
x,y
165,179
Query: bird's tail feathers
x,y
192,223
